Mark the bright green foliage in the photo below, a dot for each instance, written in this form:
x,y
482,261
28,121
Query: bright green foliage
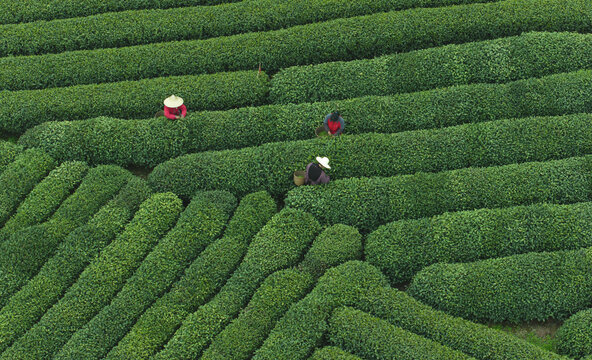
x,y
533,286
149,142
135,27
280,244
34,10
72,256
199,225
367,203
344,39
100,281
238,340
8,153
201,281
45,197
402,248
574,337
332,353
25,252
130,99
20,177
374,338
335,245
493,61
247,332
269,167
361,285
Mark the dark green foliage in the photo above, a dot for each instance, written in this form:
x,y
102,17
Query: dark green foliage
x,y
367,203
199,225
301,329
533,286
238,340
345,39
23,254
200,281
22,110
20,177
57,9
74,253
99,281
332,353
493,61
149,142
574,337
335,245
247,332
402,248
8,153
280,244
45,197
133,27
270,167
374,338
361,285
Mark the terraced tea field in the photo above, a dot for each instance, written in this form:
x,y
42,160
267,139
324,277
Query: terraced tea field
x,y
457,223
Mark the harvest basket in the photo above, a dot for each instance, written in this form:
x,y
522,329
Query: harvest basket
x,y
321,132
299,178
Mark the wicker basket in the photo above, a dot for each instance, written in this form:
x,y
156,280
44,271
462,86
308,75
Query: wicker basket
x,y
321,132
299,178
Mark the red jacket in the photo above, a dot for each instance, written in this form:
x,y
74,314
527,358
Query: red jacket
x,y
172,112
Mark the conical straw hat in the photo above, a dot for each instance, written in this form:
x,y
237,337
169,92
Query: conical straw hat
x,y
324,161
173,101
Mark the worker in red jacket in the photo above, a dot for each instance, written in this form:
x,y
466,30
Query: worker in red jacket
x,y
174,108
334,123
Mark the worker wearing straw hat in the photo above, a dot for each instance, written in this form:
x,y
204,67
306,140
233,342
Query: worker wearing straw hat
x,y
174,108
314,173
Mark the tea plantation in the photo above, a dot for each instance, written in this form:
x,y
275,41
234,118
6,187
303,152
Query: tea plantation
x,y
457,223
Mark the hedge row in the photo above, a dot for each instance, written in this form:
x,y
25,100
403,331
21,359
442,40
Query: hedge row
x,y
238,340
270,166
150,142
402,248
198,226
493,61
332,353
533,286
8,153
77,250
201,280
367,36
367,203
131,99
25,252
99,281
280,244
20,177
361,285
374,338
135,27
51,9
574,337
45,197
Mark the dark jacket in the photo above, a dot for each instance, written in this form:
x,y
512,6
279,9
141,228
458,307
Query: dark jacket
x,y
311,170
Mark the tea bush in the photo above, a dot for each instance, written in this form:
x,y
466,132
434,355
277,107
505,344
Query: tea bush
x,y
402,248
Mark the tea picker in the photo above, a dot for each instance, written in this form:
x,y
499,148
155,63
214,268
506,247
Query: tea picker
x,y
334,123
173,108
314,174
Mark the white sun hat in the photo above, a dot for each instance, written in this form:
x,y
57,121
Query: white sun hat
x,y
324,161
173,101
